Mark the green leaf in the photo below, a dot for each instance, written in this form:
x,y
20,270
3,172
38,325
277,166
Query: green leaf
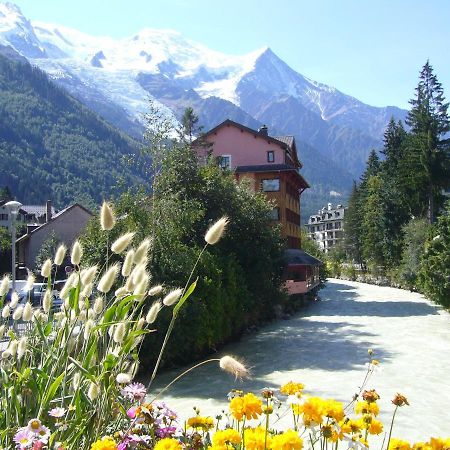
x,y
185,297
53,388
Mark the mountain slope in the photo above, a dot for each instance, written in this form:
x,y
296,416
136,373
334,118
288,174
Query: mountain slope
x,y
51,146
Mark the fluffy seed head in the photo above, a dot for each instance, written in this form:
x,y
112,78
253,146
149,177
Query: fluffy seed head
x,y
76,381
77,253
123,378
172,297
233,366
98,305
14,299
140,324
6,311
2,331
88,326
141,288
4,285
46,268
13,347
27,313
137,273
107,219
119,333
47,301
129,285
69,284
17,314
88,275
108,278
121,292
30,283
155,290
141,252
216,231
21,348
153,312
60,254
120,244
93,391
128,263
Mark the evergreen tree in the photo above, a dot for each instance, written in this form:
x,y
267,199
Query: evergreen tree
x,y
352,227
373,167
5,194
426,168
394,201
373,228
189,123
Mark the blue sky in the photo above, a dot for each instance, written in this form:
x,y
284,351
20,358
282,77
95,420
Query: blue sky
x,y
372,50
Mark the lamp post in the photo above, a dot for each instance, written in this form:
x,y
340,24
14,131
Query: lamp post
x,y
13,208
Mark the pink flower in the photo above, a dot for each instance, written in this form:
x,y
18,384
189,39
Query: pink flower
x,y
131,413
134,391
23,438
57,412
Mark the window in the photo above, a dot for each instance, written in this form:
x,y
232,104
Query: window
x,y
271,156
225,161
275,214
3,216
270,185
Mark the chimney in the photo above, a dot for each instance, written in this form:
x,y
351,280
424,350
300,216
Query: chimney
x,y
329,206
264,130
48,206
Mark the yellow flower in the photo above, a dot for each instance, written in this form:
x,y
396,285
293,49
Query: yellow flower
x,y
333,410
312,410
440,444
375,427
204,423
255,439
249,406
168,444
398,444
105,443
367,408
223,438
350,426
422,446
289,440
292,388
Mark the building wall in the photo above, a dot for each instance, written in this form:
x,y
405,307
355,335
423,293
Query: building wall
x,y
245,149
67,227
327,227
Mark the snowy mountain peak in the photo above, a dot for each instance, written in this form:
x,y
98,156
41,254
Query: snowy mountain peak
x,y
17,32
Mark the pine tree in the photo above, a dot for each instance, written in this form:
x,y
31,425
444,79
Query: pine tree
x,y
352,227
373,167
426,168
189,123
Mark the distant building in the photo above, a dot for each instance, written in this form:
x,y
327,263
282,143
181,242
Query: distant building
x,y
270,163
32,215
327,226
66,225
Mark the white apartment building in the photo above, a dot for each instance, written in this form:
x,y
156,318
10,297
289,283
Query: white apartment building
x,y
327,226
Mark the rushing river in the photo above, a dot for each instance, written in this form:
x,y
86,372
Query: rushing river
x,y
325,345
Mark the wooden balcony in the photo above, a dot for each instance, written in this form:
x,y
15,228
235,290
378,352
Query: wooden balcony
x,y
301,287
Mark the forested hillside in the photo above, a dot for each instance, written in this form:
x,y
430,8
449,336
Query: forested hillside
x,y
53,147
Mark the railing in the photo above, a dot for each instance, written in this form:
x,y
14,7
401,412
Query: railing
x,y
300,287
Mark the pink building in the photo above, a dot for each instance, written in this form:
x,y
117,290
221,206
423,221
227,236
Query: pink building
x,y
271,163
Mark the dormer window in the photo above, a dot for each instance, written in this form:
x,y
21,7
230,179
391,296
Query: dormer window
x,y
270,156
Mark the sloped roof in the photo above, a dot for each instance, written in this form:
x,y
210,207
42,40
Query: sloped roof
x,y
36,210
55,217
295,256
289,140
242,127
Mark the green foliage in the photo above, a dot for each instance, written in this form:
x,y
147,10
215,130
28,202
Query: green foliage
x,y
434,273
5,250
53,147
415,234
310,246
352,228
239,278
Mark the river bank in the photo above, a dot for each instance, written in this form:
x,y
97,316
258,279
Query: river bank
x,y
325,347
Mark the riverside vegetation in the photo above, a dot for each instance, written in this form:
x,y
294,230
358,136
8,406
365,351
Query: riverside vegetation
x,y
66,377
397,225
